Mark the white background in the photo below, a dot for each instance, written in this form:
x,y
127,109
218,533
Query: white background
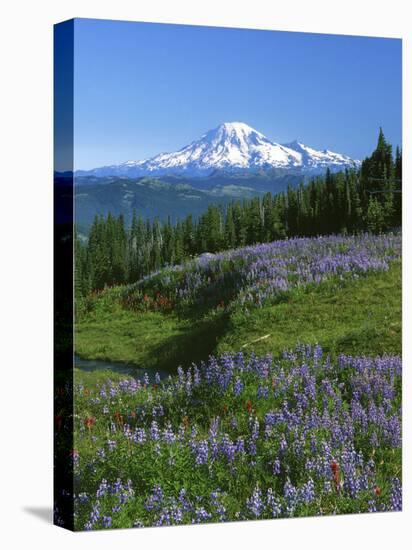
x,y
26,271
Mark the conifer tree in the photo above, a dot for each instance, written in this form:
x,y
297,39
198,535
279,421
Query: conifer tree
x,y
345,202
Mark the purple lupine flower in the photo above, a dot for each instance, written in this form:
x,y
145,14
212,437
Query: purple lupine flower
x,y
154,431
101,453
202,452
265,271
181,434
283,445
372,506
116,487
396,495
155,500
103,488
127,432
193,438
262,392
307,492
291,494
233,423
140,435
270,419
111,444
107,521
313,445
168,435
213,431
276,467
309,435
75,458
240,446
255,503
238,387
158,411
201,515
219,508
196,376
255,429
94,516
273,504
176,514
184,503
228,448
327,487
138,524
181,375
164,518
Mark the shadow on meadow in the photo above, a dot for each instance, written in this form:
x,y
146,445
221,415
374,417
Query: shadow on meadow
x,y
360,317
195,340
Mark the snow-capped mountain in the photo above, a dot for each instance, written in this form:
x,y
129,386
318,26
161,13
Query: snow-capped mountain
x,y
313,160
231,147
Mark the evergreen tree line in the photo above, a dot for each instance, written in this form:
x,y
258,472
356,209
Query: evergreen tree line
x,y
345,202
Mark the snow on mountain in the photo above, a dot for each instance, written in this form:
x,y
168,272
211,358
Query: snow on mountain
x,y
231,147
313,160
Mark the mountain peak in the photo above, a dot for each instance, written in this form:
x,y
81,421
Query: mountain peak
x,y
232,147
235,126
238,127
235,132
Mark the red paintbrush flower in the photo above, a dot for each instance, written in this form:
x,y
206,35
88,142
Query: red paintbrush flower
x,y
89,422
336,473
118,417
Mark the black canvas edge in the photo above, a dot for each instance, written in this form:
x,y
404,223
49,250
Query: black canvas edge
x,y
63,264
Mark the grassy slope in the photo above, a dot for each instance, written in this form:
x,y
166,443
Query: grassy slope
x,y
363,317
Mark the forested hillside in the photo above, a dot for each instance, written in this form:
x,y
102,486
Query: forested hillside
x,y
353,201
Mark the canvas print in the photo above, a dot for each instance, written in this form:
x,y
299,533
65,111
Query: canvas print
x,y
228,209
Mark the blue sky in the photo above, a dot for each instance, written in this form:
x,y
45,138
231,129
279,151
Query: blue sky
x,y
142,88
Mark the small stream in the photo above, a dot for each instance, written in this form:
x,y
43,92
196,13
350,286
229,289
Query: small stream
x,y
90,365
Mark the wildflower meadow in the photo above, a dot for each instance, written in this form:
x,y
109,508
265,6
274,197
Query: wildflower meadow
x,y
238,435
239,438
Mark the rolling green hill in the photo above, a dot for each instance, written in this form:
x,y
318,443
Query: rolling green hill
x,y
140,325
